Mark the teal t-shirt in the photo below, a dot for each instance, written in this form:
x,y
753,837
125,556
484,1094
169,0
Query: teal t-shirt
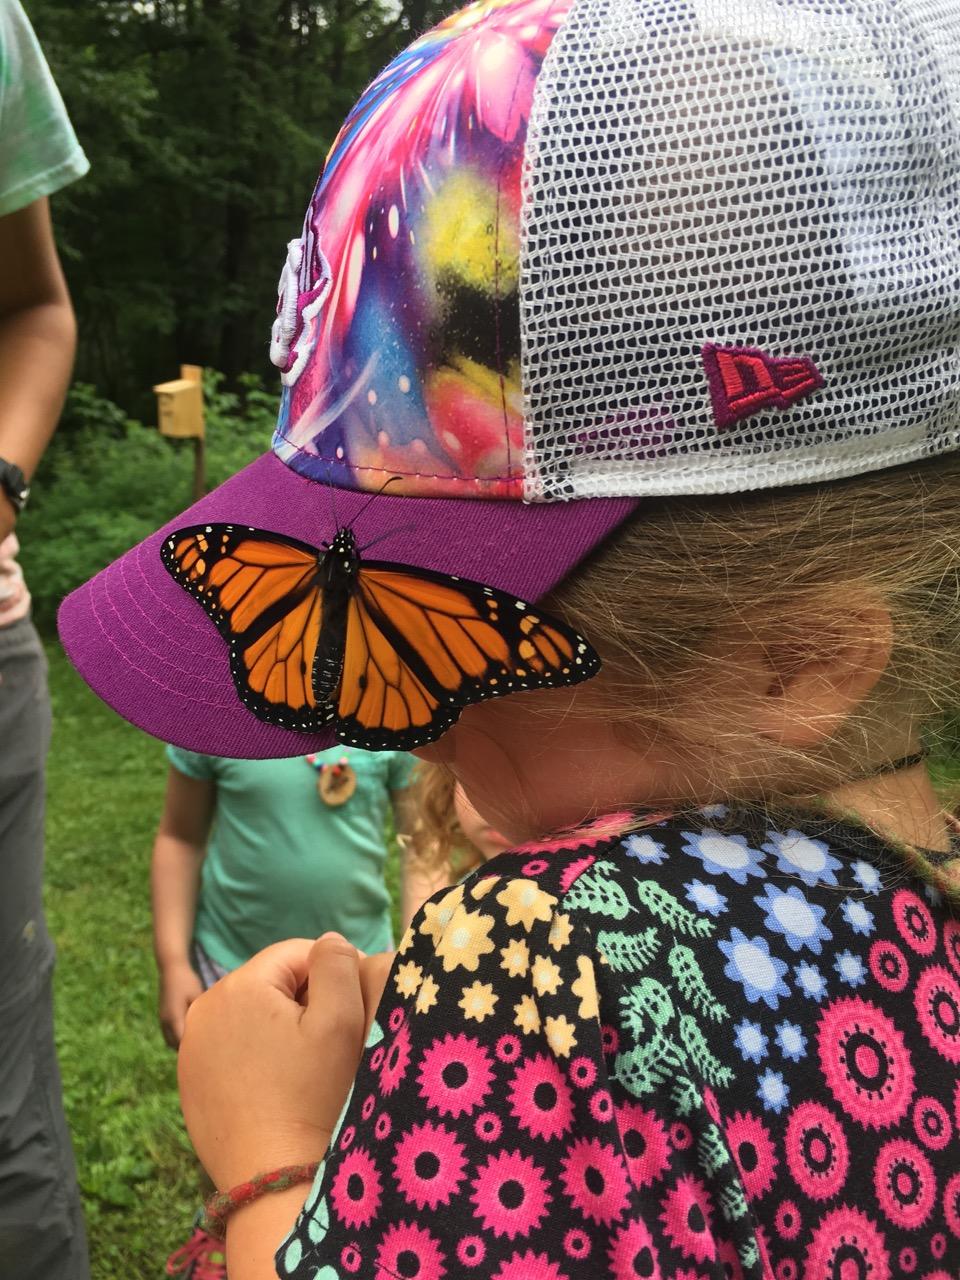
x,y
39,152
283,864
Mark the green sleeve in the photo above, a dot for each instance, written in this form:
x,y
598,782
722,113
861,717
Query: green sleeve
x,y
399,771
191,764
39,152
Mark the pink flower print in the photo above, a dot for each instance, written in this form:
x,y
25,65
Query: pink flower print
x,y
526,1266
951,1204
592,833
471,1251
905,1184
688,1219
817,1154
395,1061
356,1189
888,965
455,1075
729,1259
931,1123
788,1221
753,1151
633,1254
429,1164
594,1180
951,942
865,1062
937,1002
847,1240
540,1098
914,922
576,1244
511,1194
409,1251
645,1143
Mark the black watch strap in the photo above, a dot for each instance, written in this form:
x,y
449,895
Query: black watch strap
x,y
14,484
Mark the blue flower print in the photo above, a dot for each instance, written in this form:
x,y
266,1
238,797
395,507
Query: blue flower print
x,y
798,855
857,916
810,980
789,913
705,897
645,849
850,969
750,963
724,855
933,895
867,877
792,1041
750,1040
713,811
773,1093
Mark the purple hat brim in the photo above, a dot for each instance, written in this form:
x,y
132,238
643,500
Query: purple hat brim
x,y
147,648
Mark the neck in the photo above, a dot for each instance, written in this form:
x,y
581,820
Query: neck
x,y
902,806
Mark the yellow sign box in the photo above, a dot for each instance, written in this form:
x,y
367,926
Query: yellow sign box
x,y
180,408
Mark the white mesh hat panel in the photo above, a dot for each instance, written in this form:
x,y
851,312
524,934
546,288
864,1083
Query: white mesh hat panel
x,y
741,251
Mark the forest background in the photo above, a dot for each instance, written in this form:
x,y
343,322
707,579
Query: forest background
x,y
206,123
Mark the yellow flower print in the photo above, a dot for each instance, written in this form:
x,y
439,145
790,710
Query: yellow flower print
x,y
427,995
560,1036
525,902
465,939
545,976
585,988
437,915
481,888
516,957
527,1015
560,931
406,942
478,1000
408,978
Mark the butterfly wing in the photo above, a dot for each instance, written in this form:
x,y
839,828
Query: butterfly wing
x,y
420,646
263,593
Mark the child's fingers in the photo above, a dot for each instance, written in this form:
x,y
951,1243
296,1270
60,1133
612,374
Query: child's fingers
x,y
336,1011
285,965
374,972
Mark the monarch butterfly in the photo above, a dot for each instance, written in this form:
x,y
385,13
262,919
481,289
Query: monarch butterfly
x,y
387,653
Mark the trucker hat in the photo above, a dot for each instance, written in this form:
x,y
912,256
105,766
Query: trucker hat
x,y
566,256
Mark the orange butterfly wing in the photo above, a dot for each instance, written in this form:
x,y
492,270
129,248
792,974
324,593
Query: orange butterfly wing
x,y
263,593
420,646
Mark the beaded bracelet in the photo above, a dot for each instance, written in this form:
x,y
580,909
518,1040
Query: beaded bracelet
x,y
219,1207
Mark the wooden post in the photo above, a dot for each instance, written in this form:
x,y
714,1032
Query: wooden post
x,y
180,415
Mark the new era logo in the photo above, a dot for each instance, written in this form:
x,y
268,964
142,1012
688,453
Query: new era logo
x,y
744,381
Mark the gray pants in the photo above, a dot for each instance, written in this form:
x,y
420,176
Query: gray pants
x,y
41,1224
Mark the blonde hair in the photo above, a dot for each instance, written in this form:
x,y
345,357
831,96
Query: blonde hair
x,y
785,563
440,843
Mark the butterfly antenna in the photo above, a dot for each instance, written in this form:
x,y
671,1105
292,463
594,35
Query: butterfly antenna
x,y
333,507
404,528
391,480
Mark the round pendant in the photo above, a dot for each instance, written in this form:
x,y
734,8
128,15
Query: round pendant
x,y
336,783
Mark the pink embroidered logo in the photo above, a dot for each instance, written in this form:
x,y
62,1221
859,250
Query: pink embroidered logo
x,y
743,381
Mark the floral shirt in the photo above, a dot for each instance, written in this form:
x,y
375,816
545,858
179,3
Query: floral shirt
x,y
702,1050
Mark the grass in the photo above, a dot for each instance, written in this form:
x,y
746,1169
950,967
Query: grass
x,y
138,1177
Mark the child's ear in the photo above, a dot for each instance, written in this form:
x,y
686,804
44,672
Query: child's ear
x,y
815,685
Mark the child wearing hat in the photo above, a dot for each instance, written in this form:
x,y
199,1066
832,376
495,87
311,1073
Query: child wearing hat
x,y
627,331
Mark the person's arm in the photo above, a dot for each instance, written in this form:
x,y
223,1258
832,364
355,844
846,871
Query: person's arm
x,y
418,880
178,852
37,341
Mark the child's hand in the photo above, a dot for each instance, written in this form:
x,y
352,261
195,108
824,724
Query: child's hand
x,y
374,971
179,987
263,1077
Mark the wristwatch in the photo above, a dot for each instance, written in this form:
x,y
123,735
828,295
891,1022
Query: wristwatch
x,y
14,484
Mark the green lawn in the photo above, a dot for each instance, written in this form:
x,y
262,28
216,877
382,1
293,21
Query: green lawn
x,y
137,1174
138,1177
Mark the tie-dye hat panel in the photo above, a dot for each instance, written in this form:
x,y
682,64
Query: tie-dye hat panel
x,y
398,324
